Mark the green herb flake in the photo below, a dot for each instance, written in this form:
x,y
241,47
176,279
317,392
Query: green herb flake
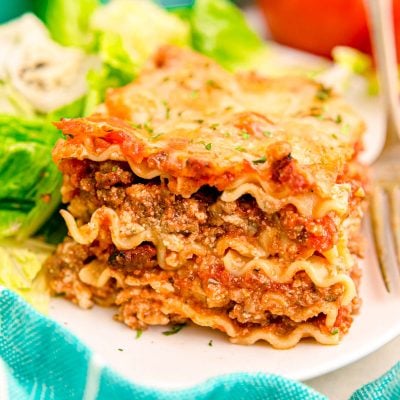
x,y
245,135
114,168
214,126
227,134
339,119
345,129
208,146
148,128
334,331
175,329
167,109
156,136
137,126
120,349
267,133
139,333
323,93
213,84
260,160
240,148
210,343
334,136
194,94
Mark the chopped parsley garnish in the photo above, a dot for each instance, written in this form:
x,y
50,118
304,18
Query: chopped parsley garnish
x,y
260,160
267,133
210,343
208,146
167,109
245,135
213,84
338,119
114,168
174,329
120,350
214,126
156,136
138,333
148,128
345,129
334,136
334,331
240,148
323,93
194,94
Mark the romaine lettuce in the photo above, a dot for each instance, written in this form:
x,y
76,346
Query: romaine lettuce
x,y
220,30
30,181
67,20
21,270
126,34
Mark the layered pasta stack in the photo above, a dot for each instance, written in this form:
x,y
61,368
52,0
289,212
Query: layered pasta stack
x,y
233,201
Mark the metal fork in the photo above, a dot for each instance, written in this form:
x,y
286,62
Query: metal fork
x,y
385,196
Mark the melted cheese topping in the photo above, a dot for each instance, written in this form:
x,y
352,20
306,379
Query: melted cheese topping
x,y
190,121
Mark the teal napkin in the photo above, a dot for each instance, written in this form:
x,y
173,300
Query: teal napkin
x,y
40,360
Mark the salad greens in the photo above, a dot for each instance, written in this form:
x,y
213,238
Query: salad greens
x,y
21,270
29,192
356,62
220,31
67,21
127,33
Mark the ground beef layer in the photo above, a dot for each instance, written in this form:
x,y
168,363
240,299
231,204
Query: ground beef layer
x,y
140,289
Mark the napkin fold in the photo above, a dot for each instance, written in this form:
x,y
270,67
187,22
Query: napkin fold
x,y
39,359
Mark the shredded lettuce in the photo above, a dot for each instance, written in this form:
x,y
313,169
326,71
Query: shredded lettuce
x,y
67,21
356,62
21,270
30,181
126,34
220,31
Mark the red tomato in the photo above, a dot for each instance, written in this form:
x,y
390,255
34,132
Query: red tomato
x,y
319,25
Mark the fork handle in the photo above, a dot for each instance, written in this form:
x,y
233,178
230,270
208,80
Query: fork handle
x,y
381,20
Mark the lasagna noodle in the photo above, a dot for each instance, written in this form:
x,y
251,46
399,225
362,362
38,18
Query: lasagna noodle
x,y
238,259
263,154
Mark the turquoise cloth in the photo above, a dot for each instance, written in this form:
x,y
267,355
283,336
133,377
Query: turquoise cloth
x,y
41,360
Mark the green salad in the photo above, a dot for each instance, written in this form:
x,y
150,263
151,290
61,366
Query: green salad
x,y
59,62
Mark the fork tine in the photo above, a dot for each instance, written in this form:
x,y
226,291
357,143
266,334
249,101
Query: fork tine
x,y
377,218
394,202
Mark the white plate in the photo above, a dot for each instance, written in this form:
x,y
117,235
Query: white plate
x,y
186,359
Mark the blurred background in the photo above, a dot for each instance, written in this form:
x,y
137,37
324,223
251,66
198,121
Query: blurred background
x,y
315,26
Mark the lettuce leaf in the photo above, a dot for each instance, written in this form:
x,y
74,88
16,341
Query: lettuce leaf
x,y
67,21
356,62
126,34
220,31
30,181
21,270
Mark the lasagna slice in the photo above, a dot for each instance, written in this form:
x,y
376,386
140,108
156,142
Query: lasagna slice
x,y
233,201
